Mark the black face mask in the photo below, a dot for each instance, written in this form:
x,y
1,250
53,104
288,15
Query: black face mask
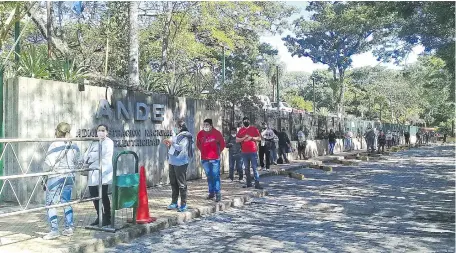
x,y
246,123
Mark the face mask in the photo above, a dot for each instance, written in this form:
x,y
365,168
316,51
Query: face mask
x,y
234,135
101,134
246,124
207,129
176,130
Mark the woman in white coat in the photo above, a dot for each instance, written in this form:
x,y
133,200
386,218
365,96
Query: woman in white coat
x,y
91,160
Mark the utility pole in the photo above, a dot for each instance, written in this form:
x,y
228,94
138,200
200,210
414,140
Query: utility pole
x,y
313,91
49,27
277,83
223,64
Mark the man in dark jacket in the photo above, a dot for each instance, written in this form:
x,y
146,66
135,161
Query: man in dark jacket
x,y
284,145
381,141
407,137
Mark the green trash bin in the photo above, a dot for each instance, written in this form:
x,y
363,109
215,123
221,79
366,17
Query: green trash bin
x,y
125,189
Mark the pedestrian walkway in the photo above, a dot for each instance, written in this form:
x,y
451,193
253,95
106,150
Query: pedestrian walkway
x,y
22,233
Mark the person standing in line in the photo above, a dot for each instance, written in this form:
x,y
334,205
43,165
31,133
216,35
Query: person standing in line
x,y
91,160
267,140
302,143
234,150
211,144
389,139
61,156
348,140
274,146
370,137
179,154
248,136
381,141
284,145
407,138
332,141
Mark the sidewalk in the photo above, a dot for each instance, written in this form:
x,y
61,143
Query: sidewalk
x,y
23,233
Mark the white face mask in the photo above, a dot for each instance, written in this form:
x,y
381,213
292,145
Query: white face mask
x,y
234,135
207,129
101,135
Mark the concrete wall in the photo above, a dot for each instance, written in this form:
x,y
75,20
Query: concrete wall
x,y
34,107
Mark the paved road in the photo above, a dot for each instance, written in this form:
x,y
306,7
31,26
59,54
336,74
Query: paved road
x,y
403,204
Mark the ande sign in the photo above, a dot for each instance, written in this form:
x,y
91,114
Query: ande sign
x,y
140,111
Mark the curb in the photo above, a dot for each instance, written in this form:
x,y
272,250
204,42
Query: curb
x,y
128,234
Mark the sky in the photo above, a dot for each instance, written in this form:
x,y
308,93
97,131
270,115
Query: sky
x,y
306,64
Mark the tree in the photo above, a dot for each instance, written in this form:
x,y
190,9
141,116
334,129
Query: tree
x,y
427,23
298,102
133,63
335,32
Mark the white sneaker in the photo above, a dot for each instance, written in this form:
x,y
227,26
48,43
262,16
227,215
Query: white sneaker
x,y
51,235
68,232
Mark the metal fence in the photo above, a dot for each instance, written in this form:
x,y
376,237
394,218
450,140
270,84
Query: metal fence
x,y
314,126
23,164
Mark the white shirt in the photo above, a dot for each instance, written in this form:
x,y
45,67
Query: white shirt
x,y
91,158
61,157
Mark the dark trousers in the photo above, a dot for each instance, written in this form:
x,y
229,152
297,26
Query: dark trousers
x,y
178,181
265,151
302,149
407,141
104,195
235,162
283,153
381,145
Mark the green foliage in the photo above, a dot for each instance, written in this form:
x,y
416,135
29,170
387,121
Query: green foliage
x,y
335,32
34,63
298,102
67,71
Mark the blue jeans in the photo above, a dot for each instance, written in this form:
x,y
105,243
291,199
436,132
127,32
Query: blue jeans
x,y
251,161
331,147
212,170
273,155
236,161
58,192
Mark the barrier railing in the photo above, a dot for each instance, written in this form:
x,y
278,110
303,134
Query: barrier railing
x,y
24,174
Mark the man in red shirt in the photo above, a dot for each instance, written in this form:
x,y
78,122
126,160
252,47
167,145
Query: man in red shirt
x,y
248,136
211,143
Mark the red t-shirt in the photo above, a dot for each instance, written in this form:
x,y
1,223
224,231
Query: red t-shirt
x,y
211,144
248,146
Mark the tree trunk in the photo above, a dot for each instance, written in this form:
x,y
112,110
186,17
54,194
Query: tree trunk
x,y
340,105
165,35
133,63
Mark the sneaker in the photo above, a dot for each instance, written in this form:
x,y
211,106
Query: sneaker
x,y
210,196
182,208
172,206
241,180
51,235
68,232
274,163
267,169
218,197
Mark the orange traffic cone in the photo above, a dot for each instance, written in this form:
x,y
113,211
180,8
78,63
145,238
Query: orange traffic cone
x,y
142,212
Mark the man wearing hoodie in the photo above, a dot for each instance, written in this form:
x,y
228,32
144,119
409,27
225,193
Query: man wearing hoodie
x,y
179,154
211,144
248,136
